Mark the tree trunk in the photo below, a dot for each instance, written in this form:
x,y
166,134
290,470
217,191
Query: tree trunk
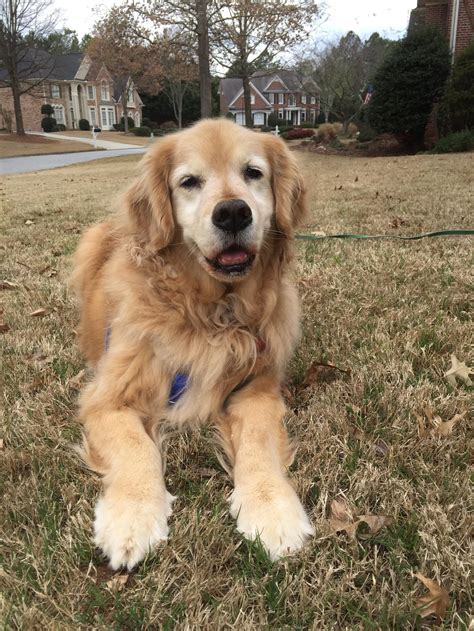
x,y
125,110
203,56
20,129
247,103
180,109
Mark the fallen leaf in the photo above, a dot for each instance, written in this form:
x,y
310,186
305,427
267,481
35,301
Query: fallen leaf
x,y
28,222
118,582
77,381
1,443
6,284
4,328
39,313
435,602
438,426
376,522
287,393
40,359
321,373
381,448
458,370
343,519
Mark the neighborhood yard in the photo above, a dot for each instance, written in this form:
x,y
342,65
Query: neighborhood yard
x,y
386,315
12,146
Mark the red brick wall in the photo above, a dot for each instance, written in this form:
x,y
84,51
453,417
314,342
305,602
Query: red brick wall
x,y
30,106
439,13
465,34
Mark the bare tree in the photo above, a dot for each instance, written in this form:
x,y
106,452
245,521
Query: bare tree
x,y
192,19
342,69
179,69
24,66
126,52
247,31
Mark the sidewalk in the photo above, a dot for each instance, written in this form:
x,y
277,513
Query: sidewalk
x,y
100,144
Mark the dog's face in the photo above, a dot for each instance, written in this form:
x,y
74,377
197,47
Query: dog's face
x,y
227,189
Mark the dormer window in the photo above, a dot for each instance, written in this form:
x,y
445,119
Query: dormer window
x,y
104,90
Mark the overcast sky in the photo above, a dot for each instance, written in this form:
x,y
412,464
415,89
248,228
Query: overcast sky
x,y
388,17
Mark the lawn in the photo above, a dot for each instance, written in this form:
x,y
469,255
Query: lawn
x,y
12,146
389,314
113,136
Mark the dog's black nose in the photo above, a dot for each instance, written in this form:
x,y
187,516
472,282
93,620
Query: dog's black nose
x,y
232,215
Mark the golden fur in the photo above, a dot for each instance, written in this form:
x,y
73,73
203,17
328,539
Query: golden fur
x,y
139,275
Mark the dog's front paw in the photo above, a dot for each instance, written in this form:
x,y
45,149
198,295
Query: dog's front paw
x,y
127,528
274,514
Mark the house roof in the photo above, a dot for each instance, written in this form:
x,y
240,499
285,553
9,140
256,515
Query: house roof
x,y
39,64
230,87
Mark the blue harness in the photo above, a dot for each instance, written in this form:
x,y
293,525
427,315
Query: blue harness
x,y
178,385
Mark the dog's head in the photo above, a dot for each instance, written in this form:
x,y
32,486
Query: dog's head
x,y
225,190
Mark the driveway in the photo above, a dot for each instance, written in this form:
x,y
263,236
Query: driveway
x,y
52,161
100,144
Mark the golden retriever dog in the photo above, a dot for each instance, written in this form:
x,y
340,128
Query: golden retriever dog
x,y
189,316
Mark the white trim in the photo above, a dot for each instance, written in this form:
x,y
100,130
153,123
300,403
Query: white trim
x,y
454,27
241,91
276,77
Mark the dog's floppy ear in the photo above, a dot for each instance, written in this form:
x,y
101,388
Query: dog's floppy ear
x,y
288,187
148,200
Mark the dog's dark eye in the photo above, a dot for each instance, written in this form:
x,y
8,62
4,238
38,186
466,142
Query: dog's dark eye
x,y
191,182
251,173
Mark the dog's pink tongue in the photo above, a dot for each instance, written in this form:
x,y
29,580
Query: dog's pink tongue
x,y
233,257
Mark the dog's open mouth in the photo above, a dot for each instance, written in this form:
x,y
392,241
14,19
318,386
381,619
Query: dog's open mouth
x,y
233,261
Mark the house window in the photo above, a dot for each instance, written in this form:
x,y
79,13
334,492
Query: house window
x,y
130,100
281,97
271,98
92,118
292,100
111,116
252,99
55,91
303,99
59,114
280,113
103,116
90,92
313,100
137,119
104,90
303,116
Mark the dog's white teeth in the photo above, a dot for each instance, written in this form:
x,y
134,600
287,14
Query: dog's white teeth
x,y
234,257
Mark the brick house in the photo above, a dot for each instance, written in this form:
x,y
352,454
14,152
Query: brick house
x,y
76,88
281,92
453,17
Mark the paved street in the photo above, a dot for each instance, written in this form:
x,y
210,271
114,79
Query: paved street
x,y
28,164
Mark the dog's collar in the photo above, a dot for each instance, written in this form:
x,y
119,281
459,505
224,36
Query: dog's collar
x,y
180,382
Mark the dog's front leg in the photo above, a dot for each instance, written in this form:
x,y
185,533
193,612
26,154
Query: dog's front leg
x,y
131,516
263,501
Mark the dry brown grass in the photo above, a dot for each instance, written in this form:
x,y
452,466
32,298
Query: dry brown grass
x,y
113,136
390,312
12,146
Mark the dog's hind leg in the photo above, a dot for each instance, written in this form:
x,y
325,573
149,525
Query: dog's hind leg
x,y
263,501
